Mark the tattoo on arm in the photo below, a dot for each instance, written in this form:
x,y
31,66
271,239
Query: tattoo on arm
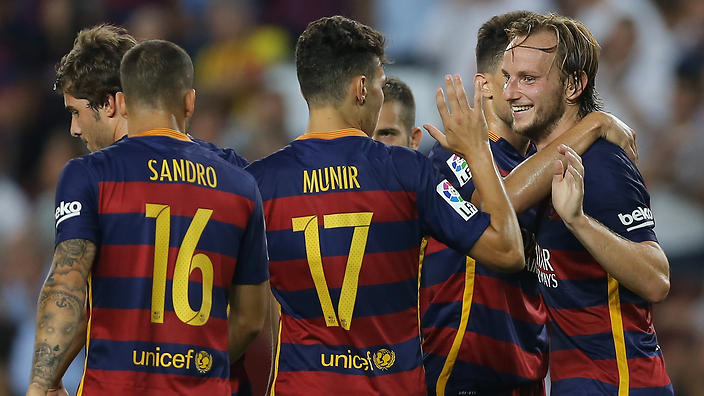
x,y
60,307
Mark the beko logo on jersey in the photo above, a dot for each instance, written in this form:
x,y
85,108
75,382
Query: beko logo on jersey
x,y
642,216
460,169
462,207
66,210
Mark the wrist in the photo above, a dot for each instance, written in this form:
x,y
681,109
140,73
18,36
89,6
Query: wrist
x,y
577,222
477,153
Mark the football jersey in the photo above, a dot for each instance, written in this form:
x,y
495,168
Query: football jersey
x,y
240,384
176,226
484,332
345,217
602,339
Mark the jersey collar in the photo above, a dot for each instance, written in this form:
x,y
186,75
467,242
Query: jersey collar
x,y
333,134
165,132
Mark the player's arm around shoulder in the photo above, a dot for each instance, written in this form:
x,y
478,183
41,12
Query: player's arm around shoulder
x,y
640,266
60,310
500,247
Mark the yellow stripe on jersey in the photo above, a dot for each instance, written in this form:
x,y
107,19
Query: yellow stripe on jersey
x,y
423,247
278,354
619,339
466,306
90,317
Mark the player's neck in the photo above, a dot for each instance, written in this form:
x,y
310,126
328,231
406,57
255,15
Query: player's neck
x,y
120,128
503,130
329,118
569,119
148,120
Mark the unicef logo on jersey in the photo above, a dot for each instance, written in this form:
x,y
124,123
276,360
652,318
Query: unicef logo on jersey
x,y
384,359
460,169
451,196
204,362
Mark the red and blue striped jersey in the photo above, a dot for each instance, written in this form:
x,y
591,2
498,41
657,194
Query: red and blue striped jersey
x,y
602,339
176,226
484,332
345,218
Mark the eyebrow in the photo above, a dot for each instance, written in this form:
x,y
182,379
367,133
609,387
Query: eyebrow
x,y
70,108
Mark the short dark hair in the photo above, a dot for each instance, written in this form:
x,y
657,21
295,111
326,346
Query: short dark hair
x,y
331,51
492,40
577,52
156,73
91,70
396,90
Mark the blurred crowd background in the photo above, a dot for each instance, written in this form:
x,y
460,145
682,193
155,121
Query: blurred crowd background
x,y
651,75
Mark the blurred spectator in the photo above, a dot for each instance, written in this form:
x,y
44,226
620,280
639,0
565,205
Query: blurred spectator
x,y
638,56
447,37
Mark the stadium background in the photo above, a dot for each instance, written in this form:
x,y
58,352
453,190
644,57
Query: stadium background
x,y
651,74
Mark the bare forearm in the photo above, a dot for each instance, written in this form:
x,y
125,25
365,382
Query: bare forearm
x,y
249,308
58,318
503,234
60,310
240,340
529,183
77,343
641,267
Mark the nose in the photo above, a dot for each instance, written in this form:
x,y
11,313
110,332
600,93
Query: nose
x,y
511,90
75,129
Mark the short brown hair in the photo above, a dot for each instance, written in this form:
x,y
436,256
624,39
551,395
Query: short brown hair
x,y
492,40
396,90
331,51
577,51
91,70
156,73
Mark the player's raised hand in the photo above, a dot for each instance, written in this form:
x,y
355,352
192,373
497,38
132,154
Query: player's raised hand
x,y
568,186
465,126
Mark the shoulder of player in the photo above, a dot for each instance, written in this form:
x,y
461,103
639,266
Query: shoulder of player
x,y
269,163
603,153
226,153
608,167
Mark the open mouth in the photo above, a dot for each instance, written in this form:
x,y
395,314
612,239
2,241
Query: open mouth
x,y
520,109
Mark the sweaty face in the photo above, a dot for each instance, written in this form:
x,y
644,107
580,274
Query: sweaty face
x,y
87,124
390,130
533,87
373,101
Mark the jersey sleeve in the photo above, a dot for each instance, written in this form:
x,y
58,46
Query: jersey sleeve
x,y
453,168
76,213
253,260
615,195
444,214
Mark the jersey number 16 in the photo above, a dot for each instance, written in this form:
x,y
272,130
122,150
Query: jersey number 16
x,y
186,262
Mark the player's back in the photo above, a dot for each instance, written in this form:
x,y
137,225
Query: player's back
x,y
602,339
345,216
170,219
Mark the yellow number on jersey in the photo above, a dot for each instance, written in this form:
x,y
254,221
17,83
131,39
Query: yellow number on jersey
x,y
348,294
186,262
